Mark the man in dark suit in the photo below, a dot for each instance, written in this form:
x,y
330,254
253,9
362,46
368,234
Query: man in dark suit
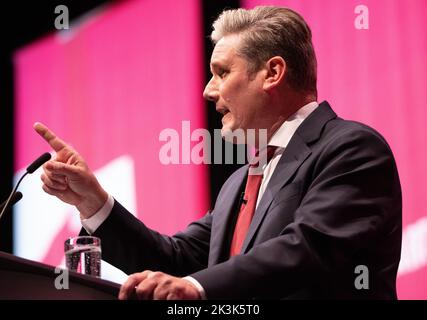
x,y
325,205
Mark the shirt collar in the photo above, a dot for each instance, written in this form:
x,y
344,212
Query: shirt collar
x,y
285,132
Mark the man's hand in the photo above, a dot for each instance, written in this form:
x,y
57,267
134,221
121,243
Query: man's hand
x,y
68,177
150,285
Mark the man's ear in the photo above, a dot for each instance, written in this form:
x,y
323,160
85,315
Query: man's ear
x,y
276,71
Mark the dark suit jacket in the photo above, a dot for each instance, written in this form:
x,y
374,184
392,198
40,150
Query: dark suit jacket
x,y
333,203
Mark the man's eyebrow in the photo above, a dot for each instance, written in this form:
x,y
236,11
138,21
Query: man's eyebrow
x,y
217,64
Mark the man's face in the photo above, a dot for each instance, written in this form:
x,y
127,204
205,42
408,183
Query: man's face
x,y
237,94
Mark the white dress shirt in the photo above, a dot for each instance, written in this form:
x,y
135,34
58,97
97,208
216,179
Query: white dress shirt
x,y
280,139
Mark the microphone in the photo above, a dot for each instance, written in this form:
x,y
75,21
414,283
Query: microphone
x,y
30,169
15,198
38,162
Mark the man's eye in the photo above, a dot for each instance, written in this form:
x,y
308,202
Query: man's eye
x,y
222,73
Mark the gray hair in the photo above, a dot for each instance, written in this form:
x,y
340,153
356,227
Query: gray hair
x,y
272,31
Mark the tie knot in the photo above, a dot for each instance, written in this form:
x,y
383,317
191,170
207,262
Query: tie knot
x,y
262,157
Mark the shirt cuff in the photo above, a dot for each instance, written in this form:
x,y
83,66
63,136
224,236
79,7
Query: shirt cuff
x,y
93,223
198,286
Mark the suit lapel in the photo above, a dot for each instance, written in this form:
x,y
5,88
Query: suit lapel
x,y
292,158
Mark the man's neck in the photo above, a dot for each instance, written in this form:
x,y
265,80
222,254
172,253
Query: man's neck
x,y
293,104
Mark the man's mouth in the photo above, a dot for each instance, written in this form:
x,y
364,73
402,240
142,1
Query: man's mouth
x,y
223,110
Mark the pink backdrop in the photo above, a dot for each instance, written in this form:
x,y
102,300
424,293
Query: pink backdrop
x,y
109,86
378,76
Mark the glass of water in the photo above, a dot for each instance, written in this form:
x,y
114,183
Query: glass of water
x,y
83,255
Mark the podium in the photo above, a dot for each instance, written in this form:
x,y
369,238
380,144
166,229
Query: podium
x,y
25,279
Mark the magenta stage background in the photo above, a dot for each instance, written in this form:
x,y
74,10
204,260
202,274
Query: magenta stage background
x,y
109,86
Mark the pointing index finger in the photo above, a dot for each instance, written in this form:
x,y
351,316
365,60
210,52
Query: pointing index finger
x,y
56,143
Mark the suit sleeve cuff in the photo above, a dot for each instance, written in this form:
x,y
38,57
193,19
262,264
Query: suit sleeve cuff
x,y
93,223
198,286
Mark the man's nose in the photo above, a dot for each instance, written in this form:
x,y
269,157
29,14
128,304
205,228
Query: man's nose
x,y
211,92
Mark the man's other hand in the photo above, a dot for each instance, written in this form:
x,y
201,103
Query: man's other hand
x,y
150,285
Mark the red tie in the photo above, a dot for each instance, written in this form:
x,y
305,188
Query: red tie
x,y
247,209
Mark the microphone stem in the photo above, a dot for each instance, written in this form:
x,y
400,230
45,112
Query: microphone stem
x,y
11,194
